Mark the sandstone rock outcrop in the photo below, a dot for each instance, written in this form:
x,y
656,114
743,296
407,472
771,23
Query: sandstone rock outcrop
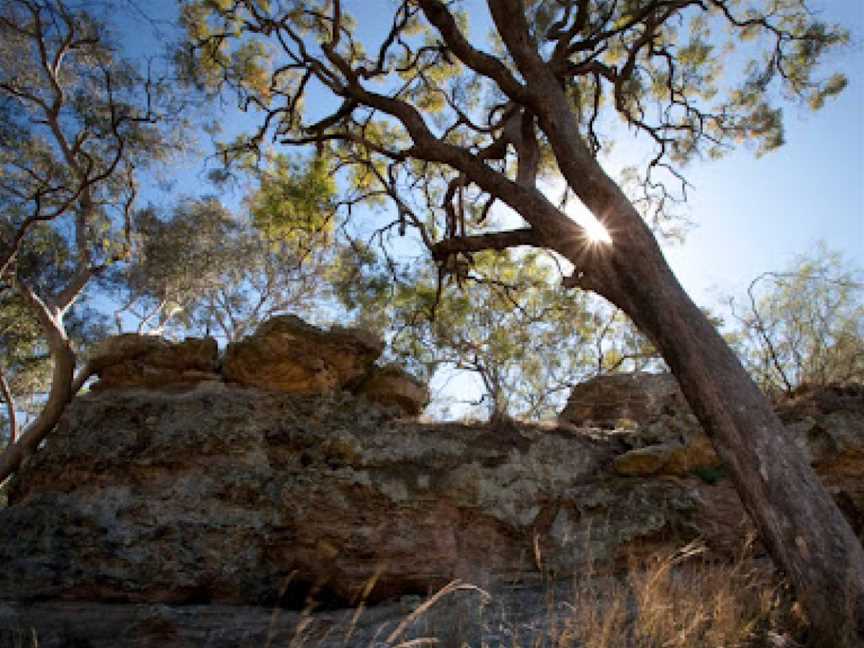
x,y
287,354
391,385
613,400
133,360
220,493
230,497
650,416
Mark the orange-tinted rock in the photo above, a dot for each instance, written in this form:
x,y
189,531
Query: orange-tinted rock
x,y
286,354
393,386
670,458
133,360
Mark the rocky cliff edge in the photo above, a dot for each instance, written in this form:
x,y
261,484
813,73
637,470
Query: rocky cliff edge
x,y
173,486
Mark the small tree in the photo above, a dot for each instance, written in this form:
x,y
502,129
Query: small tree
x,y
78,125
804,325
45,261
502,318
205,270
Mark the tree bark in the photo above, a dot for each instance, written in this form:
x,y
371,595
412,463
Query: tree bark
x,y
10,408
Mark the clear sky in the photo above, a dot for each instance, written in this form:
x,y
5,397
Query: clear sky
x,y
751,215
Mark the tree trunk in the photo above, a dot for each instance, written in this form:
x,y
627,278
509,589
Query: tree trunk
x,y
6,391
803,529
62,386
800,524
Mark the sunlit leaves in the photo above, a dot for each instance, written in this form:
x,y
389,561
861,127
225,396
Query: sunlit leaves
x,y
834,86
294,202
251,64
680,87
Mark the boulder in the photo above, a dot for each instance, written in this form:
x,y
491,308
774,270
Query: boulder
x,y
623,399
669,445
286,354
671,458
133,360
392,386
650,416
821,400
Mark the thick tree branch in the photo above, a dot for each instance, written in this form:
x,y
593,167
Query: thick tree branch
x,y
479,242
61,384
489,66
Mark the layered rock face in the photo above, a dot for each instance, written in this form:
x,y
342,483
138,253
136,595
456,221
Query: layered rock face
x,y
285,354
221,493
133,360
223,496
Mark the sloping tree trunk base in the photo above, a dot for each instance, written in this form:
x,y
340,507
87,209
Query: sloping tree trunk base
x,y
803,529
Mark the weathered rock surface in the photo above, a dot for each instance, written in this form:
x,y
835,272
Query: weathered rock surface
x,y
614,400
391,385
287,354
222,495
650,416
671,458
133,360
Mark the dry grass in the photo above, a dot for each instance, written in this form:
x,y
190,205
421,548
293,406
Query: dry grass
x,y
680,600
671,600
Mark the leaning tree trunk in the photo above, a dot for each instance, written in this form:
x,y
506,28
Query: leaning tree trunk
x,y
803,529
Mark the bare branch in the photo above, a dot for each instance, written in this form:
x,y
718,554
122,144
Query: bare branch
x,y
491,241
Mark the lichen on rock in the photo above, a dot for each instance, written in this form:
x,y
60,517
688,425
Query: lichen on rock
x,y
234,495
